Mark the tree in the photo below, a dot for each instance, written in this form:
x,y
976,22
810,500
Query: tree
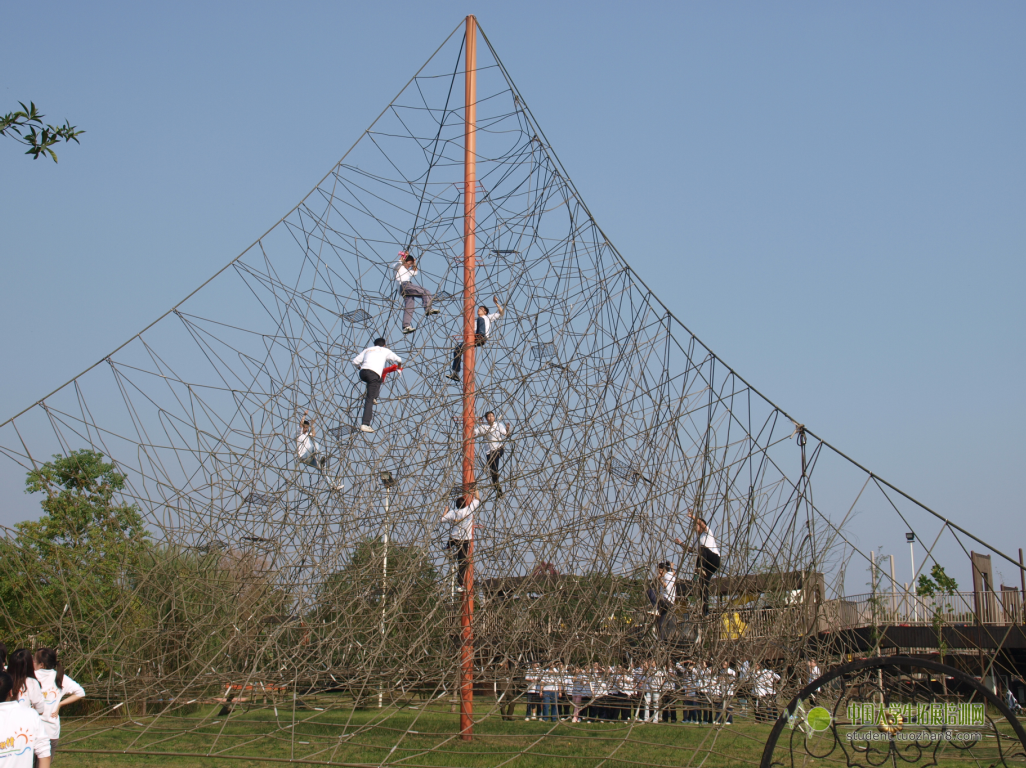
x,y
938,585
356,608
26,126
72,565
203,609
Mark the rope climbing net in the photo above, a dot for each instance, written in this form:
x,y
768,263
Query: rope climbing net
x,y
278,609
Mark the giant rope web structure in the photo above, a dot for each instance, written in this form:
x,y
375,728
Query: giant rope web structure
x,y
302,607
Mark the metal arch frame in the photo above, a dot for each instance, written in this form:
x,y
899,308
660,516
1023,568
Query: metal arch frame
x,y
881,662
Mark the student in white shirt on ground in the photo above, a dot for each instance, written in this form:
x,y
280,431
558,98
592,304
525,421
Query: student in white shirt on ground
x,y
533,678
550,685
652,691
55,685
764,690
705,683
726,687
22,736
27,691
406,272
461,518
708,558
580,692
371,362
494,432
814,673
482,330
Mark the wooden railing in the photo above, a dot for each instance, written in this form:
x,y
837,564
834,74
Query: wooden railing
x,y
903,608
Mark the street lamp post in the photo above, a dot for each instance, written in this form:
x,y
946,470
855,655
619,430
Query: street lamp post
x,y
389,482
911,539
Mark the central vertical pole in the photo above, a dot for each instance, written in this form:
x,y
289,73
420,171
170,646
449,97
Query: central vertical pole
x,y
469,322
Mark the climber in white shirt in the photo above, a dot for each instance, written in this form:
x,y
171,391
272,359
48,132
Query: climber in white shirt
x,y
482,330
461,518
406,272
371,362
494,433
708,557
307,450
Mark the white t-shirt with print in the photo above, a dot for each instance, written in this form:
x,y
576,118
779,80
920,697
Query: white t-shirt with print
x,y
31,696
52,696
22,736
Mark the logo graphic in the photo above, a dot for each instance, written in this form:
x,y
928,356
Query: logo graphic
x,y
818,718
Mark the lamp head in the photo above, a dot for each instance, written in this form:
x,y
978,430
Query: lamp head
x,y
387,480
910,537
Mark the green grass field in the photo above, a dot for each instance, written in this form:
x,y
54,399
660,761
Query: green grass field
x,y
426,737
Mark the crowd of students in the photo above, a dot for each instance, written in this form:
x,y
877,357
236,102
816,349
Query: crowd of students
x,y
33,689
648,692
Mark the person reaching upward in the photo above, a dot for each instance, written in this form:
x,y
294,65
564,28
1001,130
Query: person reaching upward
x,y
406,272
708,557
461,519
306,444
482,330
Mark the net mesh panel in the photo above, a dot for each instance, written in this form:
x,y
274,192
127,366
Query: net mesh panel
x,y
276,616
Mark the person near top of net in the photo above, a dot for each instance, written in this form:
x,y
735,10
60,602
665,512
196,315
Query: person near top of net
x,y
405,273
482,330
460,517
494,432
708,557
371,363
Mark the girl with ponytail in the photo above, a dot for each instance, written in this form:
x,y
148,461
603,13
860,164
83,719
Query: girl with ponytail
x,y
55,685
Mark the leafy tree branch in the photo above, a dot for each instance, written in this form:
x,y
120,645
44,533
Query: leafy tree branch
x,y
26,126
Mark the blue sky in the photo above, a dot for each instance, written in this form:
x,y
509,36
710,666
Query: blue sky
x,y
831,196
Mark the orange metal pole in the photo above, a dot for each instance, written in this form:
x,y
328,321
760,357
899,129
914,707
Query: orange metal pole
x,y
469,322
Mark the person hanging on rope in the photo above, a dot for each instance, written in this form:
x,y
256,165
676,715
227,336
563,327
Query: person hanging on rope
x,y
494,432
708,557
406,272
306,445
371,364
460,517
482,331
307,450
